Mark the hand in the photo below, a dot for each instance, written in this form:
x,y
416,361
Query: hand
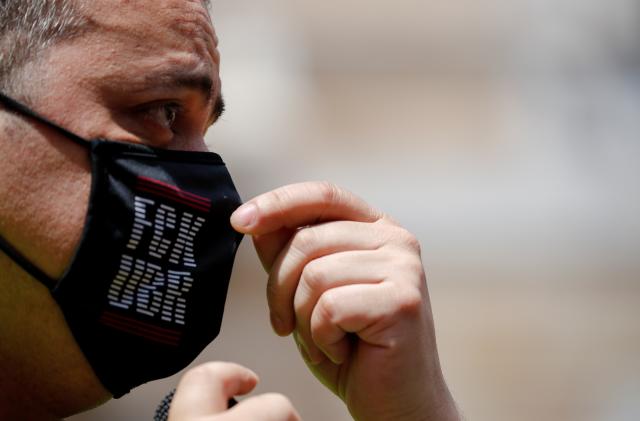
x,y
204,391
348,282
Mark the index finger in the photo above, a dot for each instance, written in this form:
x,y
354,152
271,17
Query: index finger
x,y
299,205
205,390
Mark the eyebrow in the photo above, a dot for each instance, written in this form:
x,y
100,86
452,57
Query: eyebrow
x,y
197,81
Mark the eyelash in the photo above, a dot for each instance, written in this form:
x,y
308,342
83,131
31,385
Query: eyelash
x,y
161,110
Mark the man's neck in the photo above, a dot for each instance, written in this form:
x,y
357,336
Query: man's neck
x,y
43,373
16,397
16,402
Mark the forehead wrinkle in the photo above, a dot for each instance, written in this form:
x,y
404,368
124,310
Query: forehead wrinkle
x,y
190,20
189,50
179,78
183,25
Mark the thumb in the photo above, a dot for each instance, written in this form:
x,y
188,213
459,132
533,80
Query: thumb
x,y
206,389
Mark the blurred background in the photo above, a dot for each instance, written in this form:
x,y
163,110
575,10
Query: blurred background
x,y
504,134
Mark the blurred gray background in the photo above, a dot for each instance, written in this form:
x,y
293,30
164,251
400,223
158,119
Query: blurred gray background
x,y
505,134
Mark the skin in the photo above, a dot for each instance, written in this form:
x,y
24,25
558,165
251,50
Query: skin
x,y
345,279
204,391
348,282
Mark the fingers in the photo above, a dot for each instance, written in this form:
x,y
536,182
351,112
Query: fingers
x,y
367,310
267,407
350,284
325,273
336,266
299,205
332,255
268,246
306,245
206,389
326,258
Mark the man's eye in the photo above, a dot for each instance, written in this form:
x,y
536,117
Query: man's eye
x,y
163,114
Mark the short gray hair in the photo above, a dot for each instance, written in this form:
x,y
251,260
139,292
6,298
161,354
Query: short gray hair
x,y
28,27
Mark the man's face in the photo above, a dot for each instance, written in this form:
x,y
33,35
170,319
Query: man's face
x,y
146,72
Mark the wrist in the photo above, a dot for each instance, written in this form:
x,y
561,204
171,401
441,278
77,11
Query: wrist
x,y
439,406
442,408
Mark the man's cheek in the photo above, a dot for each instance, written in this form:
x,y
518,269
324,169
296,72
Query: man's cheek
x,y
51,209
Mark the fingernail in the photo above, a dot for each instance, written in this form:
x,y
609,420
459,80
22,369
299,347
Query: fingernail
x,y
277,323
244,216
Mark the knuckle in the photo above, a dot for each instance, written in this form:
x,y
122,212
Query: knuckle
x,y
413,265
304,240
409,240
329,192
385,233
410,302
313,276
278,399
328,308
280,403
388,219
203,372
279,199
408,270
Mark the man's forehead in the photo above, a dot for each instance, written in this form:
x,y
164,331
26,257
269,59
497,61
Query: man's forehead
x,y
151,47
190,17
160,3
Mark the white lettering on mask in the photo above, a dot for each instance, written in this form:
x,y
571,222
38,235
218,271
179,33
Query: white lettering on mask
x,y
143,281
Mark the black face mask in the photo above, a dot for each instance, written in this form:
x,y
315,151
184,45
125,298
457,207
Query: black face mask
x,y
145,292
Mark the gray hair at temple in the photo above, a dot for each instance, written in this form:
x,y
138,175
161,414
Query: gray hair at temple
x,y
28,27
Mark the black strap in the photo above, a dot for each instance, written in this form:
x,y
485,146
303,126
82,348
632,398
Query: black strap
x,y
7,248
19,108
25,264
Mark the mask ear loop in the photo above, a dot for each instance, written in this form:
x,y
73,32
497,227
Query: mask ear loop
x,y
25,264
19,108
7,248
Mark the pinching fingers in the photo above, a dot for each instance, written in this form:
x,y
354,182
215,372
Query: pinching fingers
x,y
299,205
305,247
206,389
